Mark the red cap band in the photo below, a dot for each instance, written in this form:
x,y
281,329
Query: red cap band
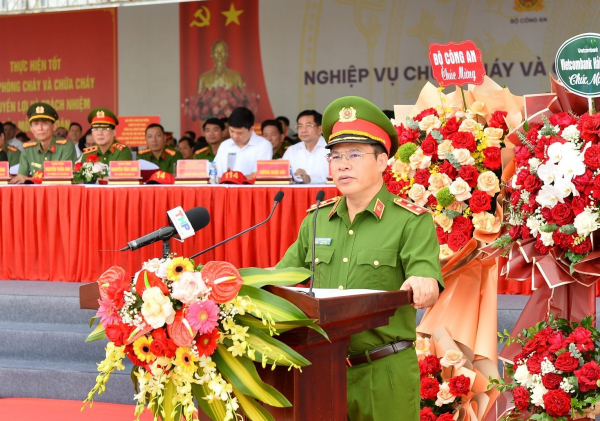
x,y
364,128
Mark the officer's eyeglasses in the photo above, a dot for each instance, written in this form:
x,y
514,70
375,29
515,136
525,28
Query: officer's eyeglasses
x,y
350,156
305,126
101,129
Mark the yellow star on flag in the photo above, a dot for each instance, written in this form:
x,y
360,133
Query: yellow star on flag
x,y
232,15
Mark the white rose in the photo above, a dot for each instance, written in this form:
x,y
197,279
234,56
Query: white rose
x,y
418,194
157,309
189,287
445,252
493,136
445,146
534,226
522,376
484,221
438,182
534,163
151,265
546,239
463,157
537,395
429,123
419,160
460,189
586,223
444,396
162,269
422,346
488,182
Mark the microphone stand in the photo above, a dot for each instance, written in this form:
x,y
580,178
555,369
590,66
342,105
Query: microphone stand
x,y
166,248
312,261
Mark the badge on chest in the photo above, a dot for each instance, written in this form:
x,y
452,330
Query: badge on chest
x,y
323,241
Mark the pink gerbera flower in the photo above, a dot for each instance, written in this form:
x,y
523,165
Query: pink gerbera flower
x,y
203,316
107,313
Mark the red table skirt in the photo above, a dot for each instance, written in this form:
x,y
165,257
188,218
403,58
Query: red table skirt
x,y
57,233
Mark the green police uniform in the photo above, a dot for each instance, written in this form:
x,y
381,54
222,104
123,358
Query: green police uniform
x,y
278,154
388,242
33,156
116,152
166,161
205,153
10,154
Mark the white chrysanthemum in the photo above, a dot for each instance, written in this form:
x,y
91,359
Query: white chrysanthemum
x,y
534,226
586,223
546,239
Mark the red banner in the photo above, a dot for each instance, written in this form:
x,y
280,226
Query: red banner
x,y
73,67
456,63
221,66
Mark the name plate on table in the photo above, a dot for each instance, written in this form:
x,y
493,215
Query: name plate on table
x,y
124,172
4,172
275,171
192,171
58,172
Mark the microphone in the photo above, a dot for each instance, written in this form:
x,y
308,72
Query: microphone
x,y
320,197
198,217
278,198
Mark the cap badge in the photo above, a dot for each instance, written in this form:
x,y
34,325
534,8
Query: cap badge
x,y
100,114
39,110
347,115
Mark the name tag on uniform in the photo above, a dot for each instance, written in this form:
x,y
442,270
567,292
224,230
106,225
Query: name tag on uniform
x,y
323,241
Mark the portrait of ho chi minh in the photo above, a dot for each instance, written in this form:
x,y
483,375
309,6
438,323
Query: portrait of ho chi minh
x,y
220,75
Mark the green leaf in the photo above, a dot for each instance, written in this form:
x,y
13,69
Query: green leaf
x,y
257,277
437,136
92,320
281,327
281,310
251,408
172,412
548,228
134,379
568,229
97,334
272,348
216,410
451,214
242,373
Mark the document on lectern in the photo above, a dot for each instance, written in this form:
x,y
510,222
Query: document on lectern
x,y
333,293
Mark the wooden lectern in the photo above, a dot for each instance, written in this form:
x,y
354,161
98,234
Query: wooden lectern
x,y
318,393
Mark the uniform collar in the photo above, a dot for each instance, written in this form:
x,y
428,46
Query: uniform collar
x,y
51,147
111,149
376,206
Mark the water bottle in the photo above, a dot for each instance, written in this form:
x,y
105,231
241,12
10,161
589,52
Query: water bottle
x,y
212,173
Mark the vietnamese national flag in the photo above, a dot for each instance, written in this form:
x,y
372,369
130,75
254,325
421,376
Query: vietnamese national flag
x,y
221,65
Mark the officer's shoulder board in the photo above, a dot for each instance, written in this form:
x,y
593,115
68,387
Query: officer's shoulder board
x,y
410,206
29,144
144,151
201,151
61,142
171,152
324,203
90,149
12,148
119,146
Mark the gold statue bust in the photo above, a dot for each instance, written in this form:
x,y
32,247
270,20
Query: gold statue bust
x,y
220,75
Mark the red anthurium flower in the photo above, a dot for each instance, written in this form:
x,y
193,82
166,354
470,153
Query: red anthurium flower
x,y
147,279
224,279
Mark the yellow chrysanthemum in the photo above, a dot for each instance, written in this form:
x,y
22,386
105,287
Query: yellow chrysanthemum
x,y
184,359
178,266
141,348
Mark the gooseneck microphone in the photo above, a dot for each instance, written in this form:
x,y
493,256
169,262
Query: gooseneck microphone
x,y
278,198
320,197
198,217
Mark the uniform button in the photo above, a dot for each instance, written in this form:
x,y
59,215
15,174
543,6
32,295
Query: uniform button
x,y
317,260
376,262
345,260
350,232
341,287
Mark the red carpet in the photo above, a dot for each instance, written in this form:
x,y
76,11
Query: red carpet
x,y
21,409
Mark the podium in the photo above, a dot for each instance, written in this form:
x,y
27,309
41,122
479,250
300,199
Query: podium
x,y
318,393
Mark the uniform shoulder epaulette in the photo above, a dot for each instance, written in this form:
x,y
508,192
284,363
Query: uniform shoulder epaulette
x,y
324,203
144,151
171,152
410,206
61,142
12,148
199,151
29,144
90,149
120,146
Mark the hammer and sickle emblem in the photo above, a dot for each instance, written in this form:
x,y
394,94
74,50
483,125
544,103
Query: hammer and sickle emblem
x,y
203,15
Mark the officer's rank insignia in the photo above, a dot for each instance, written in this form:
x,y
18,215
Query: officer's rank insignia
x,y
170,152
100,114
29,144
410,206
379,208
39,110
62,142
347,115
324,203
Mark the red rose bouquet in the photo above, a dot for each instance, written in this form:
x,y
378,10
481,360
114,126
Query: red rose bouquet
x,y
449,162
556,374
553,196
193,332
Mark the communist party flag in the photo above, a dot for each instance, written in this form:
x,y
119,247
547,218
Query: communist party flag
x,y
221,66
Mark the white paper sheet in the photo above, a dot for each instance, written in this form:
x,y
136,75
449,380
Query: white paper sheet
x,y
332,293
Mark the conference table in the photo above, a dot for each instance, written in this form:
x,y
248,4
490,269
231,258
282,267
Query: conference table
x,y
72,232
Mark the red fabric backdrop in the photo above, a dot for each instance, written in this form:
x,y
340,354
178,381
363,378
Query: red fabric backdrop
x,y
55,233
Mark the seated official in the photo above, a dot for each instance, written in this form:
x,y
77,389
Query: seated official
x,y
186,147
272,130
10,135
75,132
285,123
157,152
103,122
46,147
7,152
308,158
213,134
245,147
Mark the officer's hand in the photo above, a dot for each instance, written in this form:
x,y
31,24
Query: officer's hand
x,y
425,291
18,179
301,173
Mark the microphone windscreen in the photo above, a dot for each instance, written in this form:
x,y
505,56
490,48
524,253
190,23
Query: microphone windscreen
x,y
199,217
279,196
320,195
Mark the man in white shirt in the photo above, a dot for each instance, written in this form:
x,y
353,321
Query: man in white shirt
x,y
244,148
308,157
10,130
